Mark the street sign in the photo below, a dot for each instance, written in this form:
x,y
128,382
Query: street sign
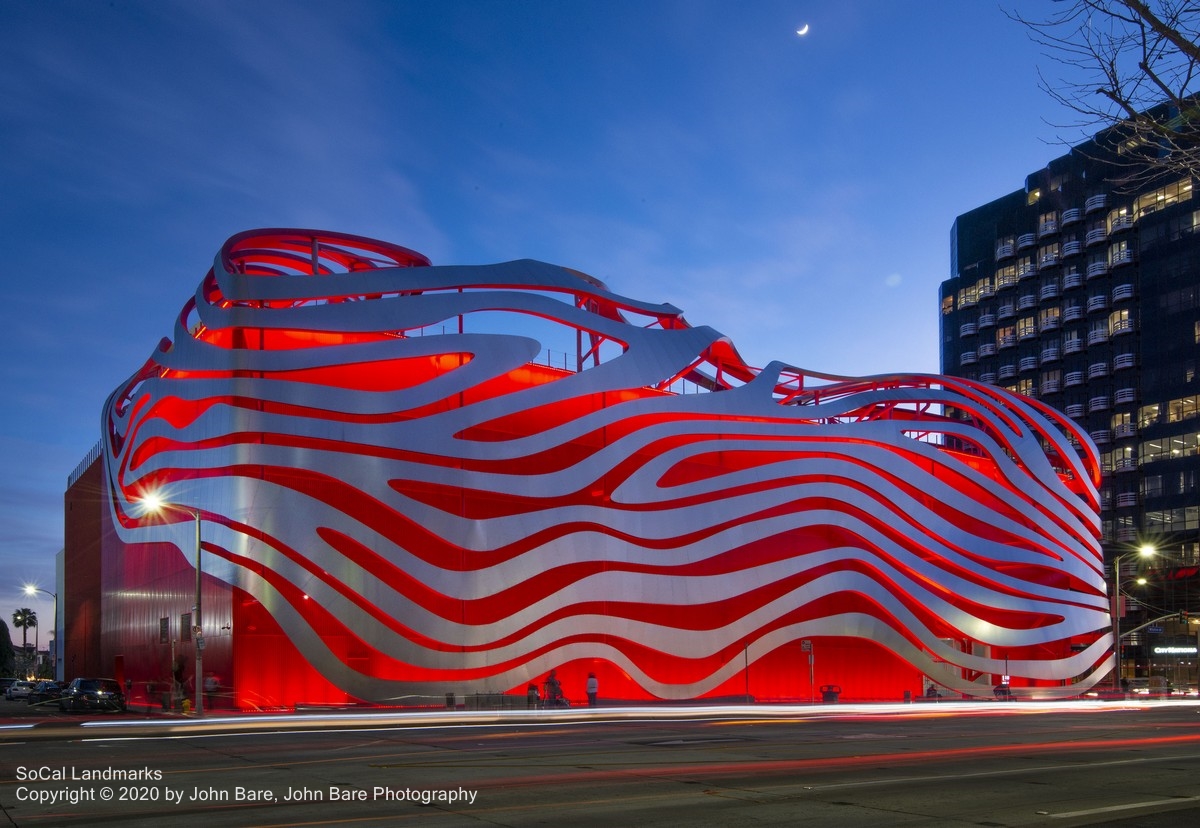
x,y
1154,629
805,645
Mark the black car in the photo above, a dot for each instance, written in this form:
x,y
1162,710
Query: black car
x,y
93,694
46,691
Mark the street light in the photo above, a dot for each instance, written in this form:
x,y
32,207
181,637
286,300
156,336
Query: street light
x,y
31,591
154,503
1146,550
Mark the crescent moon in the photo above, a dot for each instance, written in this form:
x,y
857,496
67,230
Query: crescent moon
x,y
802,32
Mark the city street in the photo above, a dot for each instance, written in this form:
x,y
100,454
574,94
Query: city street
x,y
1061,764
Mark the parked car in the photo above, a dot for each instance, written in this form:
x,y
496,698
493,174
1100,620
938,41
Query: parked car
x,y
6,683
92,694
46,691
18,690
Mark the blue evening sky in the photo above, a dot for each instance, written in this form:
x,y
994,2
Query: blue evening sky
x,y
795,193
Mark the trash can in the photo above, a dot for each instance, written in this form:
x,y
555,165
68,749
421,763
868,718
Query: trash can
x,y
830,693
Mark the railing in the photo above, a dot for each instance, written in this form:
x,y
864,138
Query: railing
x,y
1099,404
1048,292
1121,361
1120,257
1072,248
1097,369
1028,364
1026,240
1125,464
1101,437
1120,223
1095,236
1097,269
1073,312
84,465
1125,395
1050,355
1071,216
1072,280
1072,346
988,377
1096,202
1003,251
1008,371
1097,336
968,358
1007,311
1074,378
1026,270
1027,301
1122,326
1095,303
1125,430
1121,292
1127,499
1049,323
968,329
1075,410
987,349
1007,341
1050,386
987,320
1047,227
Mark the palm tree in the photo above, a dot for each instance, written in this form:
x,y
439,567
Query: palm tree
x,y
24,618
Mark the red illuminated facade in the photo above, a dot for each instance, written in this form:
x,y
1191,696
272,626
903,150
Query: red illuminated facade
x,y
415,480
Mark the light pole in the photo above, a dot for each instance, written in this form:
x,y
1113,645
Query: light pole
x,y
1145,551
155,503
31,591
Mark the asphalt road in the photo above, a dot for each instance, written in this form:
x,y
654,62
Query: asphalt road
x,y
919,765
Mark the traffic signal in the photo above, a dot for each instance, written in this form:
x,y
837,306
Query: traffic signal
x,y
1183,617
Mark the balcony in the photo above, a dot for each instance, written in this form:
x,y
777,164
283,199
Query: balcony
x,y
1073,312
1123,361
1120,257
1026,240
1125,464
1102,437
1007,341
1047,227
1048,260
1072,280
987,320
1006,281
968,358
1122,292
1049,291
1127,534
987,349
1027,301
1124,396
1095,236
1074,378
1028,333
1120,223
1050,386
1024,271
1125,430
1095,370
1073,346
1099,404
1097,336
1096,202
1050,355
1097,303
988,377
1071,216
968,329
987,292
1097,269
1122,326
1072,248
1075,410
1003,251
1049,323
1127,499
1008,371
1028,364
1007,311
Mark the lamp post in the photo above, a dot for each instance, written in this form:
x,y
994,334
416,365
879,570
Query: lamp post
x,y
154,503
1145,551
31,591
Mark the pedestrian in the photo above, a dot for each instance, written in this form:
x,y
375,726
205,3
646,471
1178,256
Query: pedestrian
x,y
554,695
593,688
212,684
